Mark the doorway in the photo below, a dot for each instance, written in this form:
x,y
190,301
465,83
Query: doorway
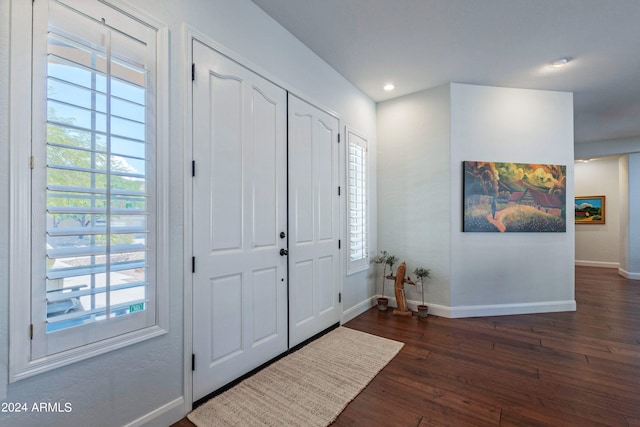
x,y
265,218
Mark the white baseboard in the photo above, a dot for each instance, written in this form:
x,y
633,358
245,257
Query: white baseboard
x,y
601,264
510,309
492,310
628,274
165,415
435,309
358,309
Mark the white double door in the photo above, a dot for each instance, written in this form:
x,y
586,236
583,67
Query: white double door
x,y
251,300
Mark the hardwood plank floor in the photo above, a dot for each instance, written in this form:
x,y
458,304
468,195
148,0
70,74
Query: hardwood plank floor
x,y
555,369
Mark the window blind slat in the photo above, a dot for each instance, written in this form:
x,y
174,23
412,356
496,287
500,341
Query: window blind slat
x,y
87,190
99,150
93,312
64,273
89,210
357,206
89,231
84,251
62,294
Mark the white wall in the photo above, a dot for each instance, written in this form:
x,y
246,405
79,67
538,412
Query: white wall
x,y
503,273
598,245
413,190
623,202
629,196
4,194
629,201
589,150
147,379
633,271
423,140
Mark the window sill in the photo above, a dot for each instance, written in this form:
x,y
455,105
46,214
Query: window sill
x,y
55,361
358,269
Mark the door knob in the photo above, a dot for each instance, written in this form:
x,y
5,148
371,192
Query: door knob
x,y
284,252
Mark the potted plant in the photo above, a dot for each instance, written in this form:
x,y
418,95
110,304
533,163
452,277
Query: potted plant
x,y
387,259
422,274
391,259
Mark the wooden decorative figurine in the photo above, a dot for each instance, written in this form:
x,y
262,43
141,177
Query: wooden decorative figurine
x,y
398,288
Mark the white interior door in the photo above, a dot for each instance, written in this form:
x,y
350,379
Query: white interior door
x,y
314,216
239,211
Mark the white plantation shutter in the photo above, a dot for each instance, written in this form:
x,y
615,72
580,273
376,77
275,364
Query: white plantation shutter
x,y
357,206
94,251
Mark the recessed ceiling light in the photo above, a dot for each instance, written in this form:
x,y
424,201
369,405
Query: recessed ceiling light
x,y
561,62
389,87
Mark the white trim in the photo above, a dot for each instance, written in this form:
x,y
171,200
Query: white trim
x,y
190,34
358,309
628,275
21,364
162,177
204,39
58,360
187,303
19,184
600,264
434,309
363,263
363,267
493,309
167,414
509,309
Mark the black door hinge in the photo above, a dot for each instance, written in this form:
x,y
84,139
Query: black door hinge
x,y
193,264
193,361
338,191
339,243
193,72
339,296
31,331
193,168
338,138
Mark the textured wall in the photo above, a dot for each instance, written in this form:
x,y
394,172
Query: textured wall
x,y
521,126
413,188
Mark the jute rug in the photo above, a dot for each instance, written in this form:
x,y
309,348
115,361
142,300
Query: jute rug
x,y
309,387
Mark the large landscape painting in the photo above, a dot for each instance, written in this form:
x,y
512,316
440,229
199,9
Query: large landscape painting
x,y
514,197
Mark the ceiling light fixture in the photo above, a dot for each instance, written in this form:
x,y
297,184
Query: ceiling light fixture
x,y
388,87
560,62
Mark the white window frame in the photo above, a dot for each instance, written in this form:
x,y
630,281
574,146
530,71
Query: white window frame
x,y
23,363
360,141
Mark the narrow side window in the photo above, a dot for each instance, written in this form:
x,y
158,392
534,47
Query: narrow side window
x,y
357,204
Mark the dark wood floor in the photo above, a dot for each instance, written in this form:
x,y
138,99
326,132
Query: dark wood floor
x,y
558,369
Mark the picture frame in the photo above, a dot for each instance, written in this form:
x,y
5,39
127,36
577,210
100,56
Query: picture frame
x,y
508,197
590,209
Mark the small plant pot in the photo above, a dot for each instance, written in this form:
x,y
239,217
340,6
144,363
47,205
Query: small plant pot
x,y
383,304
423,310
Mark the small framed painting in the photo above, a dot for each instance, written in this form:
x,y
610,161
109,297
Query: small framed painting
x,y
590,209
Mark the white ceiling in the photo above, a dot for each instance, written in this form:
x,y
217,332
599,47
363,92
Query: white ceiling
x,y
420,44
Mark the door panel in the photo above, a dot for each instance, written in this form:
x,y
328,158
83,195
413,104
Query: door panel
x,y
225,158
314,214
226,320
239,209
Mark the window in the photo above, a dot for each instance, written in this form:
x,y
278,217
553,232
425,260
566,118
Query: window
x,y
358,248
96,156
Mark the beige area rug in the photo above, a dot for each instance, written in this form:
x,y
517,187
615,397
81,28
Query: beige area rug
x,y
309,387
